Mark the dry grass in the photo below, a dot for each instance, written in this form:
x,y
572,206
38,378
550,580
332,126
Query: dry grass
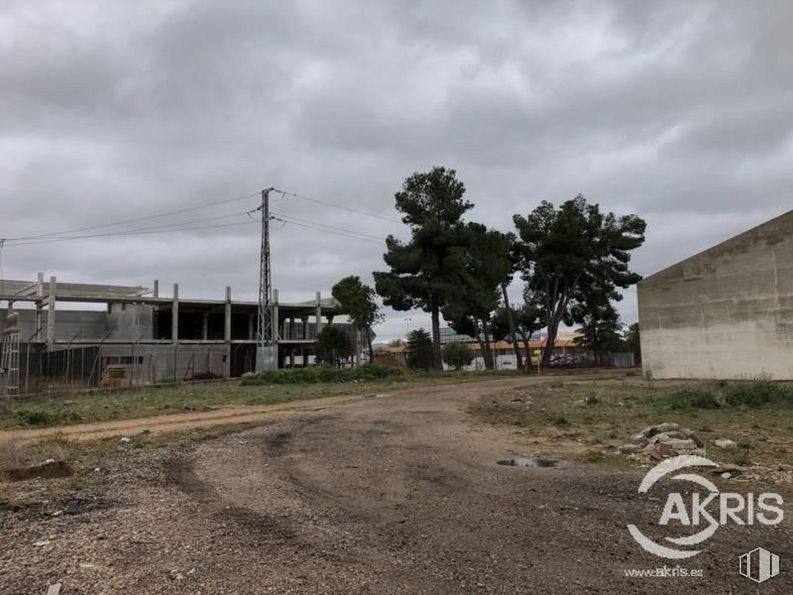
x,y
66,409
591,419
13,454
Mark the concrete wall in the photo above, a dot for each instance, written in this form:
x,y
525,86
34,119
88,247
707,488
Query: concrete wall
x,y
155,363
130,322
91,324
724,313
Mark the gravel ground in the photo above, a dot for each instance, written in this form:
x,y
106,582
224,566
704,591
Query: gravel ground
x,y
395,493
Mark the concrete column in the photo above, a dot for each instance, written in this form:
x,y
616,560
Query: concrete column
x,y
227,317
252,327
305,328
40,295
227,334
319,313
205,326
175,315
51,314
292,331
155,291
276,325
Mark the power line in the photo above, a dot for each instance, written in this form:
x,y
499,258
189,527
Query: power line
x,y
130,233
338,231
172,229
164,227
136,219
284,193
338,206
316,228
293,219
184,226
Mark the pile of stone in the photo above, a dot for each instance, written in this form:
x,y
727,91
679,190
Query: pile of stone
x,y
663,441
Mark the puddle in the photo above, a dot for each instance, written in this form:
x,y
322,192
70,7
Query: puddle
x,y
535,462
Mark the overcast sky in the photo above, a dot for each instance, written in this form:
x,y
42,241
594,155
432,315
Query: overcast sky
x,y
681,112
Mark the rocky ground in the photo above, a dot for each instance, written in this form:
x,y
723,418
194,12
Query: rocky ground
x,y
393,493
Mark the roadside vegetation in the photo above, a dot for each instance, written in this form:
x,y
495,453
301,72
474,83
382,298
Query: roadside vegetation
x,y
268,388
326,374
589,420
573,259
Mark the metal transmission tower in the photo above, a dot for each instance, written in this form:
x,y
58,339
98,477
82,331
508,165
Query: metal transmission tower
x,y
266,354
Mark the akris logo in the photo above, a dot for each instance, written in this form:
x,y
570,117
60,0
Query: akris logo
x,y
709,510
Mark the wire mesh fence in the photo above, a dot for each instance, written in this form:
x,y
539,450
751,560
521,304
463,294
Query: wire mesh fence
x,y
76,367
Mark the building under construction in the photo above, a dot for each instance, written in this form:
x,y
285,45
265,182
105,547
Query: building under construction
x,y
141,336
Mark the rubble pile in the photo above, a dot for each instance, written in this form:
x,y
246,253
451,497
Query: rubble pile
x,y
663,441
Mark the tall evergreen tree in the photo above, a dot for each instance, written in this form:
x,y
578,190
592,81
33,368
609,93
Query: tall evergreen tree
x,y
425,271
525,321
332,345
418,351
601,332
359,302
569,254
486,267
633,341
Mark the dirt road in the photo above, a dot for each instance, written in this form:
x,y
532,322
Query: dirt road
x,y
398,493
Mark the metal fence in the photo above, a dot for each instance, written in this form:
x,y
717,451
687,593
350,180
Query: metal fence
x,y
9,358
115,366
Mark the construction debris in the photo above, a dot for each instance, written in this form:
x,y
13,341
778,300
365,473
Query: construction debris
x,y
724,443
662,441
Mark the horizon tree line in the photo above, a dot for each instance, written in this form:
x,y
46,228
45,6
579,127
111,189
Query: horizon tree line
x,y
573,260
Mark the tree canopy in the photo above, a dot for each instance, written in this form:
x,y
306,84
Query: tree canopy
x,y
633,341
457,355
333,346
575,257
424,272
601,332
574,260
486,266
359,302
418,352
526,320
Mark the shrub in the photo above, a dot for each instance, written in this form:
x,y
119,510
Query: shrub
x,y
325,374
594,456
372,372
206,376
758,394
45,418
457,355
692,398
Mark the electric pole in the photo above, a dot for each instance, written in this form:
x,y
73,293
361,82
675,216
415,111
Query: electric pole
x,y
265,353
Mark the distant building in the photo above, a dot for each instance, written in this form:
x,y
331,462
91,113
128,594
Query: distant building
x,y
566,352
144,336
724,313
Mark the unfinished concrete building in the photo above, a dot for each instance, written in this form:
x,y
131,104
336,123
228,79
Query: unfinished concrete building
x,y
724,313
145,337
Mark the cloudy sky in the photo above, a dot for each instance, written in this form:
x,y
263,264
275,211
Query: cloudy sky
x,y
681,112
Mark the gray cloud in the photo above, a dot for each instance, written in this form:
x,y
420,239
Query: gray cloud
x,y
679,111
